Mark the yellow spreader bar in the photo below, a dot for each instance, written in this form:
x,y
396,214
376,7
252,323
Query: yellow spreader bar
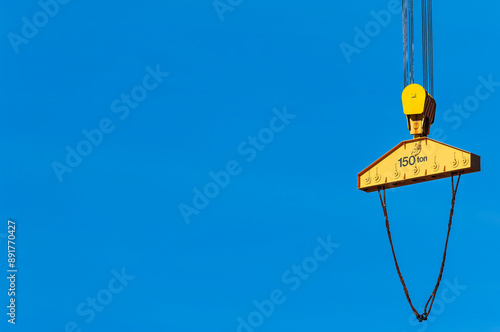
x,y
414,161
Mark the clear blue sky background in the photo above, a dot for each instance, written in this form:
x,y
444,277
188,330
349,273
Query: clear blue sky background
x,y
119,207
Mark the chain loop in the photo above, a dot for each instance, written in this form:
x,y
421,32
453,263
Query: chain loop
x,y
383,202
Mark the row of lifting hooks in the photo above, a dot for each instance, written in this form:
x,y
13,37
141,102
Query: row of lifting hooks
x,y
427,45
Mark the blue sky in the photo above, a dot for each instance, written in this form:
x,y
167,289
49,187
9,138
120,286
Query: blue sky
x,y
116,115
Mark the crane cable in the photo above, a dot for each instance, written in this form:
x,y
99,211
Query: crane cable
x,y
425,314
427,47
409,46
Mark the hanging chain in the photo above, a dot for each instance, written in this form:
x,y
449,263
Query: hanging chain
x,y
425,314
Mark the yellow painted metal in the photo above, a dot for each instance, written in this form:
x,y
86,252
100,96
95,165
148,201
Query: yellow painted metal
x,y
419,108
416,124
414,161
413,97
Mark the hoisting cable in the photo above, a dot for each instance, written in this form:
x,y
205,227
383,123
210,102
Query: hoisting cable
x,y
425,314
408,43
427,47
424,45
431,49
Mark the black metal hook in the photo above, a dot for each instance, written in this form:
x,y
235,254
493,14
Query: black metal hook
x,y
421,318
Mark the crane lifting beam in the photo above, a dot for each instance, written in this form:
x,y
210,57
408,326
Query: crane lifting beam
x,y
417,160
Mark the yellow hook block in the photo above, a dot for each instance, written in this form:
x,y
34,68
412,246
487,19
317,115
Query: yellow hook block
x,y
420,109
